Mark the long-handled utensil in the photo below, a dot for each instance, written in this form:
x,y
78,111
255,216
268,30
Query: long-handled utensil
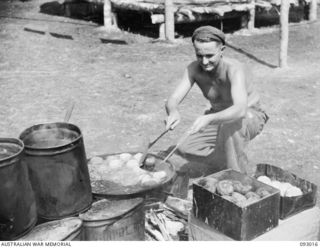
x,y
150,144
69,112
159,137
180,141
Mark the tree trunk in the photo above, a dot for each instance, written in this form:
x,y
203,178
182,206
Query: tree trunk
x,y
313,10
284,33
169,20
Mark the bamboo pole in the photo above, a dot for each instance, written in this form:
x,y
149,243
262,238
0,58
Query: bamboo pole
x,y
313,10
284,33
169,20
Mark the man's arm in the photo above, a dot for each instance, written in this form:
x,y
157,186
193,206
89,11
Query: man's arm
x,y
182,89
236,111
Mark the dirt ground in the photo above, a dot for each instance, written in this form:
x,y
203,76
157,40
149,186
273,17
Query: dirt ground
x,y
119,90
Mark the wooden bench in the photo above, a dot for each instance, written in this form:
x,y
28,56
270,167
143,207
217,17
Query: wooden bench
x,y
189,11
185,11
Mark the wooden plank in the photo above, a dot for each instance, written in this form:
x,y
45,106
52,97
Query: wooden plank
x,y
199,9
194,2
180,19
137,6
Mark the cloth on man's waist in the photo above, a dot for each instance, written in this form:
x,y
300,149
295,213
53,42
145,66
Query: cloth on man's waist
x,y
225,144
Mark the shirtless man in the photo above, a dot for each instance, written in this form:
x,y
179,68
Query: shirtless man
x,y
222,133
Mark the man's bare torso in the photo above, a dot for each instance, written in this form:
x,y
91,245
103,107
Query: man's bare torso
x,y
216,85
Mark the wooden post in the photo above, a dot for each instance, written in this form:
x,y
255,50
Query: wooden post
x,y
252,14
169,20
313,10
107,14
162,35
244,20
284,33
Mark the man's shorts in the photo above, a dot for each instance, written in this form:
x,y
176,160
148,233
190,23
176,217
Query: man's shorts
x,y
205,142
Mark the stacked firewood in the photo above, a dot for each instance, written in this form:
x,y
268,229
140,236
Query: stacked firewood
x,y
168,221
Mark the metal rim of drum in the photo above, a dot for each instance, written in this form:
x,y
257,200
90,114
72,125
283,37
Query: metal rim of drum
x,y
58,149
27,231
74,232
112,221
65,216
134,208
18,142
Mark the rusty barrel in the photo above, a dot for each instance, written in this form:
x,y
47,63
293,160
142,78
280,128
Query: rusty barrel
x,y
56,159
17,202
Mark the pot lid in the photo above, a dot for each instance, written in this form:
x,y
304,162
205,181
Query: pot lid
x,y
109,209
57,230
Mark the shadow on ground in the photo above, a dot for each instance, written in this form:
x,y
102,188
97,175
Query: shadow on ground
x,y
251,56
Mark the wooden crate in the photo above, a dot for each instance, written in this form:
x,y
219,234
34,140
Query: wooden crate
x,y
290,205
239,223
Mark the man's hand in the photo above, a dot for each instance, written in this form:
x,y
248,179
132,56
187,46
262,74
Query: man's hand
x,y
172,120
200,123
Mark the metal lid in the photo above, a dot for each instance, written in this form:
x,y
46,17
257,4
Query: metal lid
x,y
109,209
57,230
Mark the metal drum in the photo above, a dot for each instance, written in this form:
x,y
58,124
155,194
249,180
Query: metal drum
x,y
56,158
17,203
115,220
68,229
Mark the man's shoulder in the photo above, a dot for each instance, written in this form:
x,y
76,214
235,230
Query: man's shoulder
x,y
233,63
193,67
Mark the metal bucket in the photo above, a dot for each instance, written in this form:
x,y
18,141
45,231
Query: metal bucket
x,y
56,159
115,220
68,229
17,203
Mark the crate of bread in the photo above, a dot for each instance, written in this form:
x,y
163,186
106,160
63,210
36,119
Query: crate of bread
x,y
296,193
235,204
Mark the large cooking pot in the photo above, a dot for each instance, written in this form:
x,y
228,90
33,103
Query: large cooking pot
x,y
56,158
17,203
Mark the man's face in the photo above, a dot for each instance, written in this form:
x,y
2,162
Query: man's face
x,y
208,54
